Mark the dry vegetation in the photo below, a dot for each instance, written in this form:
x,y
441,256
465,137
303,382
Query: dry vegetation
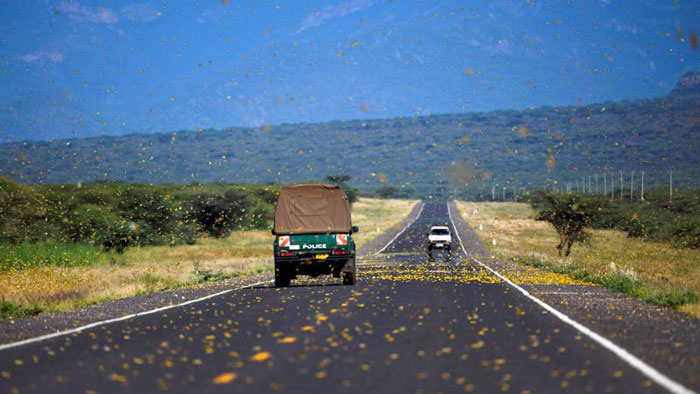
x,y
518,234
143,270
374,216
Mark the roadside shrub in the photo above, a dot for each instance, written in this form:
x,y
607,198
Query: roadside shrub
x,y
119,237
686,232
218,214
268,195
89,223
117,215
657,218
261,216
23,214
153,211
99,195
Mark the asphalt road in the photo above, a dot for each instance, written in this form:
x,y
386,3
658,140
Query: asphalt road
x,y
409,325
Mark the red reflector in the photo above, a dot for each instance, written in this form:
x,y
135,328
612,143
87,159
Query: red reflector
x,y
339,251
286,253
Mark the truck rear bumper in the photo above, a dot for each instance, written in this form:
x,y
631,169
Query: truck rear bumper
x,y
296,265
439,245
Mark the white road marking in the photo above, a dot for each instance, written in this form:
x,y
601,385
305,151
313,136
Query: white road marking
x,y
636,363
126,317
404,229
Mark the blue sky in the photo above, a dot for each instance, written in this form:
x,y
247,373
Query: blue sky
x,y
74,69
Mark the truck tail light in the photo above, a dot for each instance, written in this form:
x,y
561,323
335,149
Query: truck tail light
x,y
339,251
286,253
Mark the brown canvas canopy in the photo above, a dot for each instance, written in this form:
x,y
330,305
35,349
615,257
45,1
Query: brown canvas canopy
x,y
305,209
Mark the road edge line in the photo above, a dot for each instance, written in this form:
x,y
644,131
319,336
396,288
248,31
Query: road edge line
x,y
404,229
121,318
635,362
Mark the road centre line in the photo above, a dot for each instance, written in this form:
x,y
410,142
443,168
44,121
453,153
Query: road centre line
x,y
636,363
404,229
125,317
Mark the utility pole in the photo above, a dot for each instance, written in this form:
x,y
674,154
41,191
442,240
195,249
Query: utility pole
x,y
605,183
670,185
612,186
596,183
642,185
632,186
493,192
504,193
622,185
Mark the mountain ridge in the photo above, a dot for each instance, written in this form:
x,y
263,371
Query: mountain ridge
x,y
513,149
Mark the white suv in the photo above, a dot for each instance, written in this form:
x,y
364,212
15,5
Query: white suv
x,y
439,237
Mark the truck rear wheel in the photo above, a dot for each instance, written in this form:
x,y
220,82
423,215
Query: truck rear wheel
x,y
349,274
349,278
281,279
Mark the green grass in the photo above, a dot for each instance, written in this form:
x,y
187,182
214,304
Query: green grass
x,y
8,310
26,254
152,282
620,283
204,276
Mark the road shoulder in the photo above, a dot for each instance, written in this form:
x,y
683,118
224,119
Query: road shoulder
x,y
19,329
662,337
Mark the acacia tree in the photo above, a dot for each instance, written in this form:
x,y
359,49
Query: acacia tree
x,y
341,180
568,215
338,179
386,191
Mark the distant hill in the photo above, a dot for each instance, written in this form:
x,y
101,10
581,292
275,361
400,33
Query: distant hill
x,y
521,149
689,83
